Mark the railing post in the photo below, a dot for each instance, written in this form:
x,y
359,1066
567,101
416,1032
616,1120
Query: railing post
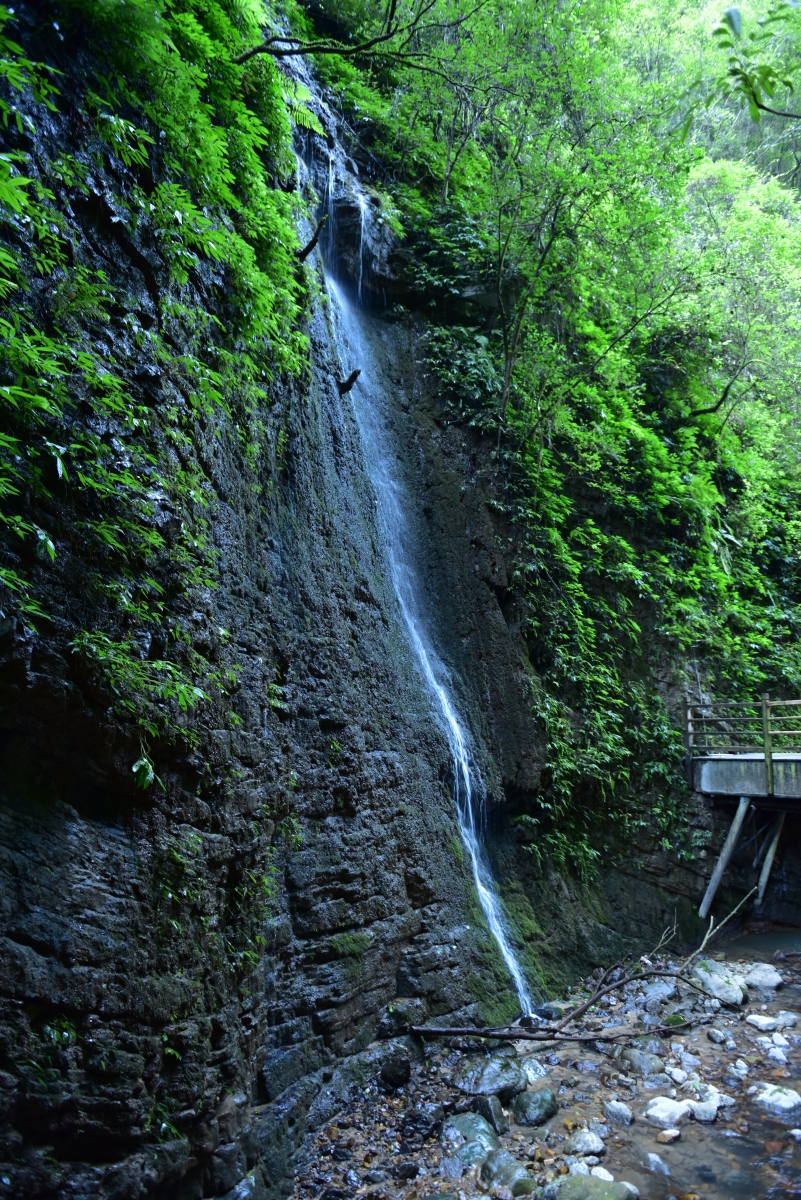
x,y
767,743
688,743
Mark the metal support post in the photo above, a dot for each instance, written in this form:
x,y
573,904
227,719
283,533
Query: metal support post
x,y
767,744
767,865
725,855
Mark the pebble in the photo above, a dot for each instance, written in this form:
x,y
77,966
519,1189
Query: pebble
x,y
668,1136
653,1163
716,1035
704,1111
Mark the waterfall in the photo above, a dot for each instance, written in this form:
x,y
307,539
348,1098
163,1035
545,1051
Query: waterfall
x,y
362,210
377,444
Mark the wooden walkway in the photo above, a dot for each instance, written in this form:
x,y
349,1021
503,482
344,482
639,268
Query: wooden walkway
x,y
752,750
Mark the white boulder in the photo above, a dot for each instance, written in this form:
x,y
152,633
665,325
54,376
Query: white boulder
x,y
704,1111
762,1022
763,975
720,982
665,1113
778,1100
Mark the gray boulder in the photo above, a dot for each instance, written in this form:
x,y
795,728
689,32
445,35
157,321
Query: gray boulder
x,y
499,1075
473,1128
590,1187
534,1108
642,1062
490,1108
501,1169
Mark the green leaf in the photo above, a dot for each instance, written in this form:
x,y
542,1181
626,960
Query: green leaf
x,y
143,773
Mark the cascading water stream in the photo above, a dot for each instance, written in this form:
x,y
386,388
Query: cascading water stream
x,y
362,210
377,446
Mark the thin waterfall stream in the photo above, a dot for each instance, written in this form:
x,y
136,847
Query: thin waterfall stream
x,y
377,445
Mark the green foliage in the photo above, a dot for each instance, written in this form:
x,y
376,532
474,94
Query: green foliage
x,y
618,315
199,148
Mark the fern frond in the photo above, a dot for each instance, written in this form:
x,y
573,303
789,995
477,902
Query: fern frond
x,y
305,119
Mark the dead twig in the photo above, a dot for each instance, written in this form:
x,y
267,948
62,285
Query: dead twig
x,y
303,254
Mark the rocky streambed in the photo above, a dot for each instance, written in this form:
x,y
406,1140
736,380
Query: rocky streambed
x,y
699,1098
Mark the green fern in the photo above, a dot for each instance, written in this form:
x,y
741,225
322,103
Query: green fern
x,y
295,100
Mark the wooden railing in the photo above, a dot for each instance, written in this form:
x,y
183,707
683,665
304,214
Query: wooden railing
x,y
766,727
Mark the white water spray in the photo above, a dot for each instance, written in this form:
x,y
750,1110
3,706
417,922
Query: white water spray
x,y
363,210
377,446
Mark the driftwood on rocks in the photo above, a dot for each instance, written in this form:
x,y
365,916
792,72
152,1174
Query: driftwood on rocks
x,y
512,1033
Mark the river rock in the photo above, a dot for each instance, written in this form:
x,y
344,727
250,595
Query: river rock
x,y
451,1168
666,1113
577,1167
618,1113
491,1109
500,1075
668,1136
473,1128
588,1187
534,1108
642,1062
778,1100
763,975
776,1055
658,993
786,1020
585,1142
720,982
762,1022
533,1068
396,1071
425,1121
717,1036
653,1163
602,1173
501,1169
704,1111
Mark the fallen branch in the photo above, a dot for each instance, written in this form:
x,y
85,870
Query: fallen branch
x,y
303,254
507,1034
